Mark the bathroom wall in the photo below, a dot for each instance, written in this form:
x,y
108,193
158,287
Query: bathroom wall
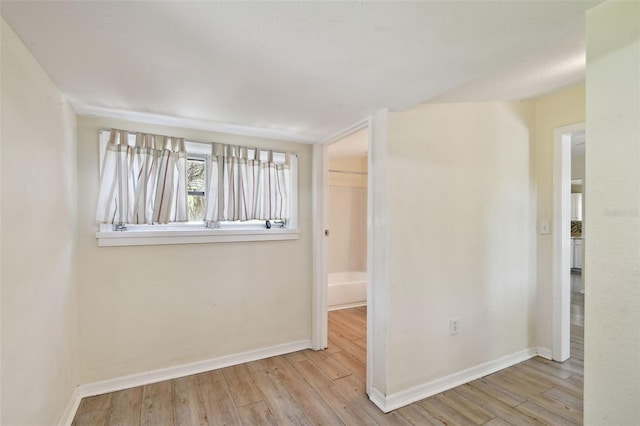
x,y
347,215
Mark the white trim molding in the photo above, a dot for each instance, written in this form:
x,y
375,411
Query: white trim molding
x,y
377,291
319,330
346,306
561,232
145,378
72,407
189,123
192,236
544,353
378,399
400,399
319,333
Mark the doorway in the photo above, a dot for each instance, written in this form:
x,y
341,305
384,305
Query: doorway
x,y
568,234
347,252
342,245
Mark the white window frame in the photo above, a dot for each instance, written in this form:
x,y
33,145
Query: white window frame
x,y
110,235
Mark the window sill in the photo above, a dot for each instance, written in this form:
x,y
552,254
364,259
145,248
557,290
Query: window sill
x,y
201,236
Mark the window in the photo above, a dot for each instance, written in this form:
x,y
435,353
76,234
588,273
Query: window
x,y
207,217
195,189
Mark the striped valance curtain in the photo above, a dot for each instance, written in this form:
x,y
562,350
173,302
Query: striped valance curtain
x,y
144,183
247,184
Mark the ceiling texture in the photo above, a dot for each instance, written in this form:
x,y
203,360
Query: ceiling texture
x,y
296,70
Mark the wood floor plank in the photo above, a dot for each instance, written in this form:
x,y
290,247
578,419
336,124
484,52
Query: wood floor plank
x,y
497,392
552,367
219,404
348,346
326,364
281,404
495,406
188,403
315,408
531,383
565,398
213,376
355,317
349,413
513,384
95,403
354,390
351,364
125,407
556,382
509,385
258,365
362,343
543,415
257,414
157,404
338,327
295,356
576,380
474,412
497,421
444,413
551,405
241,385
91,418
418,416
349,322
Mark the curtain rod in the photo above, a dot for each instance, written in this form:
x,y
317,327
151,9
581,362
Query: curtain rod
x,y
133,132
348,172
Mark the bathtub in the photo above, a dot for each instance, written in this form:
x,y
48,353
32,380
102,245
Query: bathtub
x,y
347,290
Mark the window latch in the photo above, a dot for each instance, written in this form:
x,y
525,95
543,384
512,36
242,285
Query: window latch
x,y
120,227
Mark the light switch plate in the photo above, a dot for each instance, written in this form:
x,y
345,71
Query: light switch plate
x,y
544,228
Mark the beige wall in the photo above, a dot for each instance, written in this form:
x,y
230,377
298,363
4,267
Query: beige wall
x,y
460,238
151,307
39,295
612,247
357,164
347,215
577,165
552,111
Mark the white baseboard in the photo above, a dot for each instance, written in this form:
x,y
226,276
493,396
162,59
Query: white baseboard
x,y
378,399
406,397
544,352
346,306
70,411
139,379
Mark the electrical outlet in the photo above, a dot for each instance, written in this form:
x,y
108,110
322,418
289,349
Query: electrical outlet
x,y
453,326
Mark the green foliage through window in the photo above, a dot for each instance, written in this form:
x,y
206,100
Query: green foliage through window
x,y
195,188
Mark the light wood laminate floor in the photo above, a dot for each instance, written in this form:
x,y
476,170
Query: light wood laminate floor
x,y
327,388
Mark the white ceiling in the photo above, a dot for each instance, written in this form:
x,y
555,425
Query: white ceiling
x,y
296,70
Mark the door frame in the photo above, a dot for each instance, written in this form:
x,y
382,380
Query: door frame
x,y
561,250
320,182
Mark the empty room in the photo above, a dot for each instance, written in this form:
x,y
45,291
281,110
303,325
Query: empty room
x,y
270,212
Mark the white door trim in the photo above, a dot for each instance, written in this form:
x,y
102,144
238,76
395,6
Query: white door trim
x,y
320,184
561,232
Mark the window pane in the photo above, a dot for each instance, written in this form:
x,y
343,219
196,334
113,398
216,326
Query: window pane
x,y
195,175
196,208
